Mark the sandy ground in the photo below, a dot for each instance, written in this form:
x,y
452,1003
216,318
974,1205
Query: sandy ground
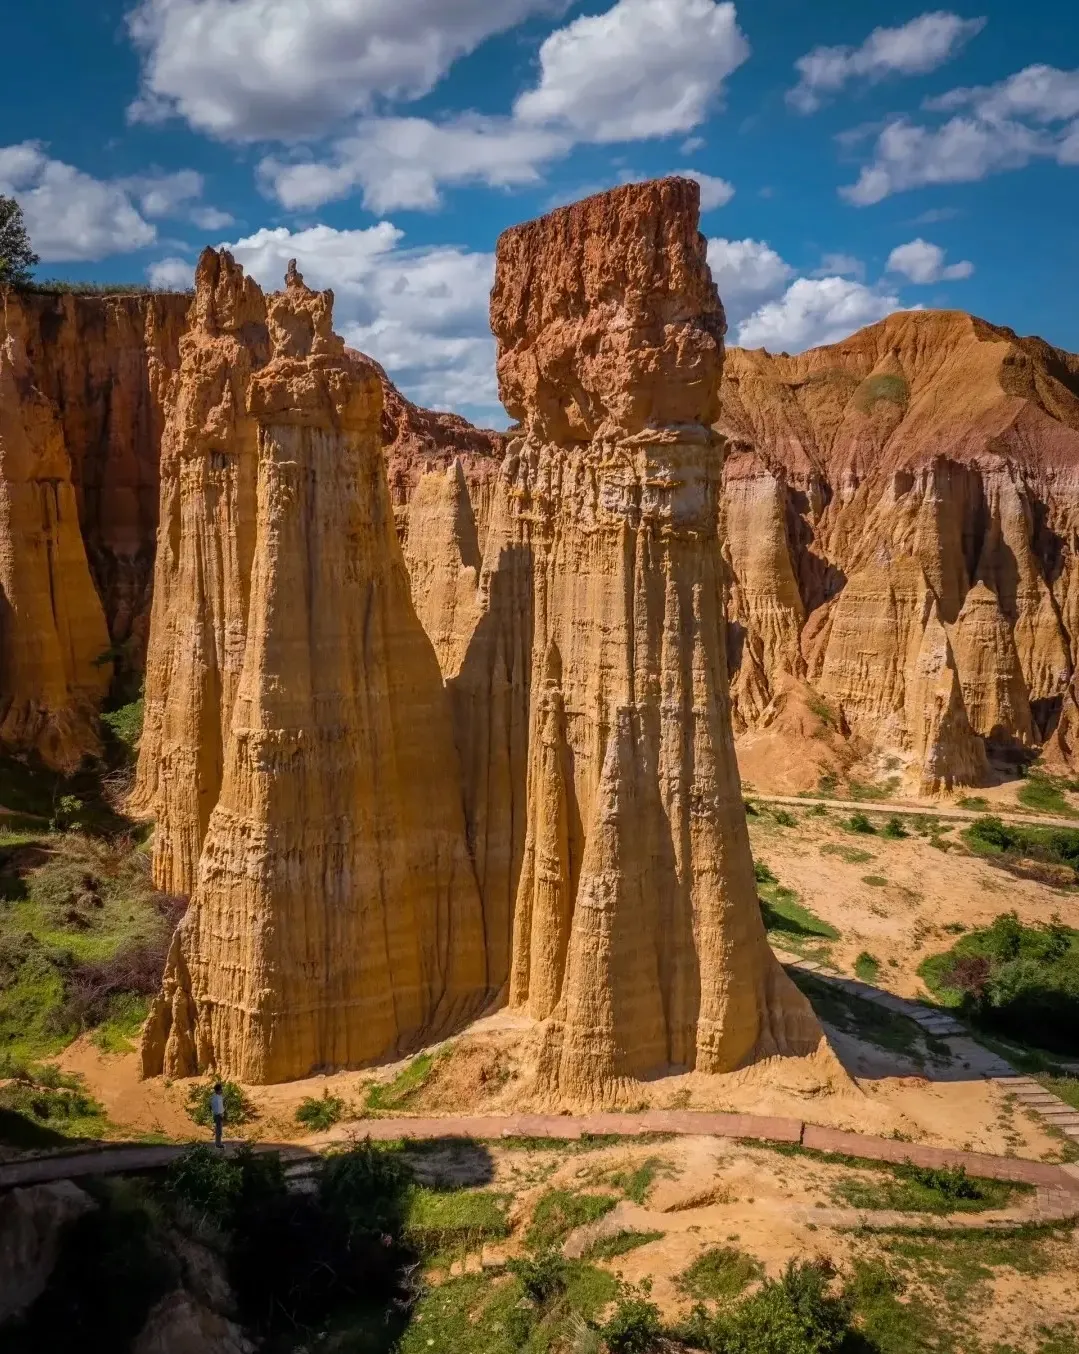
x,y
917,891
710,1193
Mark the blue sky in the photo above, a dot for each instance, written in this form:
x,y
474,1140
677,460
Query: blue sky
x,y
853,158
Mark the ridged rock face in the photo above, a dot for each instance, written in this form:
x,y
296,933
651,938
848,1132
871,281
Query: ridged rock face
x,y
336,917
54,668
202,575
637,935
106,362
418,442
924,473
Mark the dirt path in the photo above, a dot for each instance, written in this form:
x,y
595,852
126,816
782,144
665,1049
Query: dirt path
x,y
131,1159
899,806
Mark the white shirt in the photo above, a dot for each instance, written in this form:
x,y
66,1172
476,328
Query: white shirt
x,y
217,1105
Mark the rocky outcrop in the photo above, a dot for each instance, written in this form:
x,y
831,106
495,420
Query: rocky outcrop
x,y
418,442
202,573
637,936
178,1324
336,917
32,1225
54,662
922,473
105,363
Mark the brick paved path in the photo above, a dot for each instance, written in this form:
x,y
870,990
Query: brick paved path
x,y
121,1159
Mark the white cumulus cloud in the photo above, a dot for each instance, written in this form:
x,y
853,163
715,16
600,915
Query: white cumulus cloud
x,y
769,306
256,70
813,312
171,274
714,192
747,272
915,48
422,313
403,162
73,217
69,214
923,263
644,68
840,265
1000,127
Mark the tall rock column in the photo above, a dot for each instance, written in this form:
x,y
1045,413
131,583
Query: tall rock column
x,y
53,637
336,917
202,572
610,337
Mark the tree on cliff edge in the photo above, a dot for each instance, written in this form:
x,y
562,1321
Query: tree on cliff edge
x,y
16,256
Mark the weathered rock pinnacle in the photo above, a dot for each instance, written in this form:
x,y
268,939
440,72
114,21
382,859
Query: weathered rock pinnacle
x,y
637,936
336,917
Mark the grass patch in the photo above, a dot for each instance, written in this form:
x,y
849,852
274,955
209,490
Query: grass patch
x,y
973,803
610,1247
41,1107
789,922
852,855
635,1182
867,967
784,818
1042,793
874,389
445,1225
83,940
1020,981
560,1211
875,881
405,1086
860,790
916,1189
720,1274
319,1113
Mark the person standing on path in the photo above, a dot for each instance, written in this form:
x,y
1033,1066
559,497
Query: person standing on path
x,y
217,1109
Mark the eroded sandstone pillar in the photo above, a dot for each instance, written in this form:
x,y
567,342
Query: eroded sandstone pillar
x,y
54,667
336,917
202,572
610,337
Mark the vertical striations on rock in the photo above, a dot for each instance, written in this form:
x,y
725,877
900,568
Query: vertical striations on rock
x,y
202,573
53,637
610,336
106,363
336,917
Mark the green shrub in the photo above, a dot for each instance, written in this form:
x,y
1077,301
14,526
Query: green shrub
x,y
894,829
238,1109
1021,981
991,837
751,809
763,874
867,967
543,1277
365,1186
125,725
795,1314
319,1113
859,822
224,1188
634,1326
784,818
